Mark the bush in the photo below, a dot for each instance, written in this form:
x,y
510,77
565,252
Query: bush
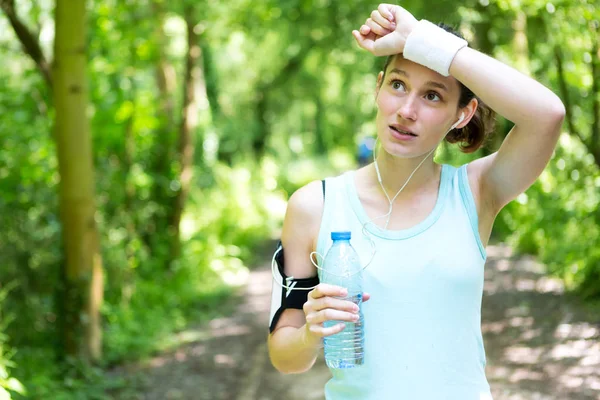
x,y
558,218
8,384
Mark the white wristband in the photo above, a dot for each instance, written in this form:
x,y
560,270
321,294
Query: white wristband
x,y
432,47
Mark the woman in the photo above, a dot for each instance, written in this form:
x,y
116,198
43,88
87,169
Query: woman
x,y
422,323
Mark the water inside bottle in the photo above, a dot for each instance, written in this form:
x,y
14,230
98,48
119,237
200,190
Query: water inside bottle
x,y
346,348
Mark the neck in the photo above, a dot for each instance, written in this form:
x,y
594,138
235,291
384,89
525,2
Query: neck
x,y
395,172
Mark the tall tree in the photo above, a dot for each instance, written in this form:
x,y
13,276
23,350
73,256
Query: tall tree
x,y
163,150
82,269
189,122
591,141
81,285
520,42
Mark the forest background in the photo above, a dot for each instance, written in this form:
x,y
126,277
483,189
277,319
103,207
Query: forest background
x,y
147,150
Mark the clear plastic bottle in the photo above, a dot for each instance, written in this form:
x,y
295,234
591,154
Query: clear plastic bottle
x,y
342,267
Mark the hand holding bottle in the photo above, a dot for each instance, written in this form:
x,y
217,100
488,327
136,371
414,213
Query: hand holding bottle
x,y
324,304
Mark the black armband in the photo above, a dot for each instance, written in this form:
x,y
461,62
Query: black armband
x,y
290,297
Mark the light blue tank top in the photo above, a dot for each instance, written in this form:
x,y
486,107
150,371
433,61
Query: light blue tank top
x,y
423,322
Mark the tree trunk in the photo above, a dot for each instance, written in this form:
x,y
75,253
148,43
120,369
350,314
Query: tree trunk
x,y
262,134
127,271
189,123
520,43
486,46
28,40
595,71
82,269
482,30
155,228
320,116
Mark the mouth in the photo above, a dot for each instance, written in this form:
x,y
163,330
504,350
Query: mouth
x,y
402,131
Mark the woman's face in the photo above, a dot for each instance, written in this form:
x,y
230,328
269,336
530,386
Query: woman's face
x,y
416,108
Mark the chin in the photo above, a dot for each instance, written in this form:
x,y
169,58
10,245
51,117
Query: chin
x,y
403,150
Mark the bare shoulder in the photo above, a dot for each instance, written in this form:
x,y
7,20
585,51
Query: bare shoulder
x,y
301,228
307,202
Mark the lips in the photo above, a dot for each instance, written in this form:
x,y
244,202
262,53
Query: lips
x,y
402,130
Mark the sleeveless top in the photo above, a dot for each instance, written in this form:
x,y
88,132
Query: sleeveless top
x,y
423,322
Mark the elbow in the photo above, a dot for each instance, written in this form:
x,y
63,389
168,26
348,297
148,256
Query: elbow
x,y
288,371
557,112
287,354
281,367
286,368
550,118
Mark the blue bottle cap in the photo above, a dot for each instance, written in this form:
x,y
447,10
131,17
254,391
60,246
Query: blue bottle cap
x,y
345,235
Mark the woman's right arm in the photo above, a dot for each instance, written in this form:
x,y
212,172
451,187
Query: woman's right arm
x,y
297,338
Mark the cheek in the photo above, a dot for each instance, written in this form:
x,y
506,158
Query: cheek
x,y
436,119
386,105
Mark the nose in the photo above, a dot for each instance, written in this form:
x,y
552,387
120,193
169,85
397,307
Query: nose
x,y
408,109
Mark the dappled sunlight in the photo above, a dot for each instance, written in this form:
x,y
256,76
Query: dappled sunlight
x,y
191,336
574,349
227,327
188,127
258,291
180,355
224,360
523,355
493,327
521,321
537,346
232,271
582,330
522,374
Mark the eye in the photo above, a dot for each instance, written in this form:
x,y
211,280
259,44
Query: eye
x,y
433,96
397,84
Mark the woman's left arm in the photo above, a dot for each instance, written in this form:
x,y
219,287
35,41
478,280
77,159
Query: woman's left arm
x,y
534,109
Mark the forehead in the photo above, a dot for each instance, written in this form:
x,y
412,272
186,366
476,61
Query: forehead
x,y
419,74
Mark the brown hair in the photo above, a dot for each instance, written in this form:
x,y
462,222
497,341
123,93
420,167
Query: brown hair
x,y
479,129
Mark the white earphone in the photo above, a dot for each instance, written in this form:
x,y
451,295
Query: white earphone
x,y
364,229
460,119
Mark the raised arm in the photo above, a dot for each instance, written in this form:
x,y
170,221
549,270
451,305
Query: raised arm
x,y
534,109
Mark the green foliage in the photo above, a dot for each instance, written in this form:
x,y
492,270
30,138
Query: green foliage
x,y
8,383
288,96
223,224
558,219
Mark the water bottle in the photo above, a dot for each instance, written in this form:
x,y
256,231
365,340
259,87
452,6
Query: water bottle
x,y
342,267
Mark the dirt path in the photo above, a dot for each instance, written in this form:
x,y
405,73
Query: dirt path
x,y
540,346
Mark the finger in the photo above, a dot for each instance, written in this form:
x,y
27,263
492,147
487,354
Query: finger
x,y
335,304
323,332
376,28
364,42
324,289
381,20
330,314
364,30
366,296
386,11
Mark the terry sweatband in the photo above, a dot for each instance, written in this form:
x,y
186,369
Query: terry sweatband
x,y
432,47
282,298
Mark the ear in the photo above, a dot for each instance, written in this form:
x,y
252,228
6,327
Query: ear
x,y
379,82
469,111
